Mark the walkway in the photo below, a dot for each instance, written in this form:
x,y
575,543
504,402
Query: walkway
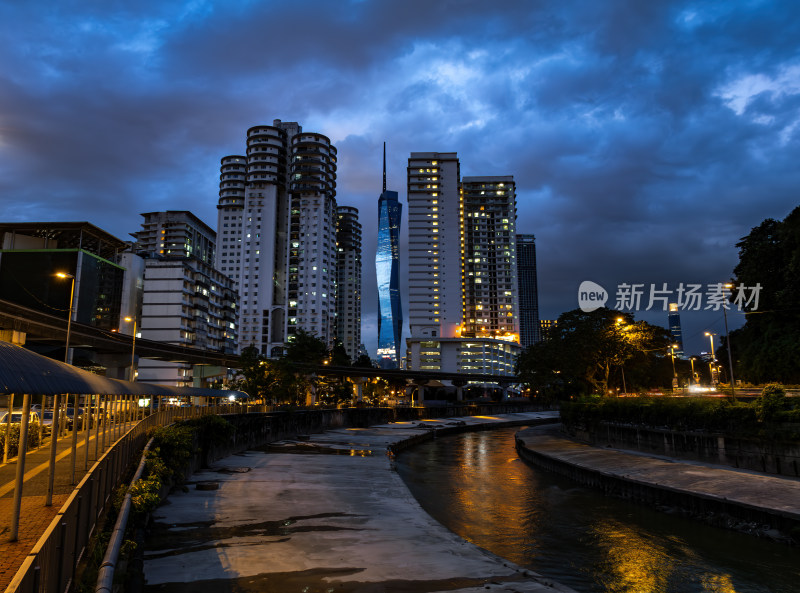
x,y
286,519
737,491
34,516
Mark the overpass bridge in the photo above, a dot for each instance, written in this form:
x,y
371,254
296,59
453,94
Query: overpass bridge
x,y
44,328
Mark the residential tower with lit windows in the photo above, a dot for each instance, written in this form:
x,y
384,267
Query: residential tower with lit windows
x,y
185,299
348,280
276,232
463,312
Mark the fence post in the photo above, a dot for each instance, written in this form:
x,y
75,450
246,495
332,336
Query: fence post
x,y
23,450
53,447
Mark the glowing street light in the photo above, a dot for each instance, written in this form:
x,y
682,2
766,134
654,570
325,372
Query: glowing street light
x,y
64,276
672,348
133,348
712,366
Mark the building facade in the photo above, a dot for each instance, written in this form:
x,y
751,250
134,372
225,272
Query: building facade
x,y
489,277
463,312
675,330
276,234
31,254
186,300
528,287
348,280
387,273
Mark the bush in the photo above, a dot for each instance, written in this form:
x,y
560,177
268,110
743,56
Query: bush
x,y
771,402
13,444
662,412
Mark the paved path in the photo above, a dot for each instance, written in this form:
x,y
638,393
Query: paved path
x,y
778,495
286,521
34,516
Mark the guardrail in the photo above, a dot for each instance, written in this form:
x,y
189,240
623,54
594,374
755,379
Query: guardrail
x,y
51,565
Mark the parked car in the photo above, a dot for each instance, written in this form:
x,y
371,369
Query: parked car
x,y
71,417
16,417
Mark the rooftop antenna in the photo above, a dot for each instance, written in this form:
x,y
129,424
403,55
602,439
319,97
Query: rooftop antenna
x,y
384,167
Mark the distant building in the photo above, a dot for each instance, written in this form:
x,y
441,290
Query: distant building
x,y
675,328
387,273
32,253
186,300
276,234
545,327
529,324
348,280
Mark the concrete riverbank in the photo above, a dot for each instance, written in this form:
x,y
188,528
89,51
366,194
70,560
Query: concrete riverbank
x,y
324,512
745,500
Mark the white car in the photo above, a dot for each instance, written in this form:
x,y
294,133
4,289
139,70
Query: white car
x,y
16,417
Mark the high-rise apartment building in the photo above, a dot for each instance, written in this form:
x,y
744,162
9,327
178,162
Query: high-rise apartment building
x,y
463,311
434,244
387,273
276,234
489,278
529,327
186,300
348,280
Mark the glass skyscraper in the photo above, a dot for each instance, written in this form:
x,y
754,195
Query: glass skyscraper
x,y
387,271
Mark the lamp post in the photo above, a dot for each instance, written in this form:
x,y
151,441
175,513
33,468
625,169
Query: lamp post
x,y
133,348
64,275
728,346
713,359
672,348
620,321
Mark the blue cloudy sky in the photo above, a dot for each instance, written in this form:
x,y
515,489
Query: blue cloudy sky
x,y
646,138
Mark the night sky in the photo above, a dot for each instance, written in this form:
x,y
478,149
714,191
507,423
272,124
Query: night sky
x,y
646,138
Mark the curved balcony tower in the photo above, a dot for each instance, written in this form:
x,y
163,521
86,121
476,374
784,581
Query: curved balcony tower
x,y
312,236
276,234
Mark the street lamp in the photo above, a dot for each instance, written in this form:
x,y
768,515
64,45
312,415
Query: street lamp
x,y
672,348
728,345
712,366
63,276
133,348
620,321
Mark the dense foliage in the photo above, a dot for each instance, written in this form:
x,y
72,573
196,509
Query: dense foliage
x,y
13,440
767,348
589,352
291,379
771,415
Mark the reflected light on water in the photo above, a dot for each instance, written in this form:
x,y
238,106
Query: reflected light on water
x,y
632,563
476,485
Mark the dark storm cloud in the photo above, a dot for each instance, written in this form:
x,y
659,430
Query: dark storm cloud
x,y
645,138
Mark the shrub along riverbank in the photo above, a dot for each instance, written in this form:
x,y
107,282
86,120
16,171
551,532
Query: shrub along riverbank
x,y
762,435
177,450
771,416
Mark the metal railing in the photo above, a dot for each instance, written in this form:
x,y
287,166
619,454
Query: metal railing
x,y
51,565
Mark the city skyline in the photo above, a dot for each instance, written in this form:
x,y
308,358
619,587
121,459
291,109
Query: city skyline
x,y
645,140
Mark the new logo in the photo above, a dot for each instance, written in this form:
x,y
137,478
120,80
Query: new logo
x,y
591,296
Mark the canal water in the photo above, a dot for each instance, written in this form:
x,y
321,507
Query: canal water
x,y
476,486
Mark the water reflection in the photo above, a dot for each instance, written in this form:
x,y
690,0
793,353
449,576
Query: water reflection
x,y
476,486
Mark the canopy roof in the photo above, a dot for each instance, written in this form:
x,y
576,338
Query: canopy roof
x,y
24,371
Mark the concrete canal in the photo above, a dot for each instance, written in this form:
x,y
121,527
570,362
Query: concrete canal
x,y
475,485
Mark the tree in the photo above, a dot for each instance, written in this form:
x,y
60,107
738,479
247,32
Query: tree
x,y
767,348
585,350
339,356
364,361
